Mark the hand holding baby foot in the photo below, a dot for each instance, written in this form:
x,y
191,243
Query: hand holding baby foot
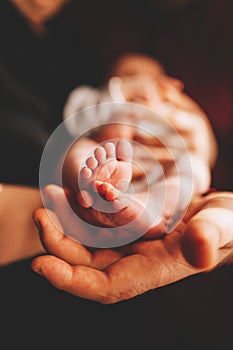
x,y
201,242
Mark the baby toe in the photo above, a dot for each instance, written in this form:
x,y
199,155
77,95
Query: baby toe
x,y
86,173
100,154
110,150
92,162
107,191
121,202
124,151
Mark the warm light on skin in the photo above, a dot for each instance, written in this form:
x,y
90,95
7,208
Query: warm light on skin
x,y
38,11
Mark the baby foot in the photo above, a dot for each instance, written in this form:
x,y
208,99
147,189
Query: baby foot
x,y
104,180
105,200
106,172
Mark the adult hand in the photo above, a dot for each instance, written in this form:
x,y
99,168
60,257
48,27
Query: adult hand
x,y
198,244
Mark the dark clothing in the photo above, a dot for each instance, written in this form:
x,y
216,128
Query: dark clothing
x,y
36,75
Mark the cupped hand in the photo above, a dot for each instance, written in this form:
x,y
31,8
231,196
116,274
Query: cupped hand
x,y
201,241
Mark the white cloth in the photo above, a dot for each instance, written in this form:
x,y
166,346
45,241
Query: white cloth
x,y
88,107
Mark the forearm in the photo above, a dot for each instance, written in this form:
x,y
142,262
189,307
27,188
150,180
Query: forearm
x,y
19,237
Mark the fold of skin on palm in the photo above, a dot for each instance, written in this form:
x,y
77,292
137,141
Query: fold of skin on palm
x,y
198,244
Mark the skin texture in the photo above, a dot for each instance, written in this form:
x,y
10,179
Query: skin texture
x,y
201,241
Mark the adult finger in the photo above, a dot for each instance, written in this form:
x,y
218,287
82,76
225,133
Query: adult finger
x,y
208,238
151,265
86,282
56,242
59,244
